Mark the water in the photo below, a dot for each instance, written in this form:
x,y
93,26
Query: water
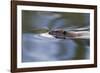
x,y
38,45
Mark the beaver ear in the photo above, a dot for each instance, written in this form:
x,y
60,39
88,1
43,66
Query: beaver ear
x,y
64,32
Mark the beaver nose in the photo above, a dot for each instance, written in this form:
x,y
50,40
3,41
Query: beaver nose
x,y
50,32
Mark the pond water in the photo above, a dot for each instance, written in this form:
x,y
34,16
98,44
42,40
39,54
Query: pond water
x,y
39,47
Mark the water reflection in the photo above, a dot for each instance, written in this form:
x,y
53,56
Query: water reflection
x,y
37,47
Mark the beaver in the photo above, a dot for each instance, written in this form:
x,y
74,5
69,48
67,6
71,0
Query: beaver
x,y
63,34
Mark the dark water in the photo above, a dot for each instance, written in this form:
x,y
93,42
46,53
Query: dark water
x,y
40,48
